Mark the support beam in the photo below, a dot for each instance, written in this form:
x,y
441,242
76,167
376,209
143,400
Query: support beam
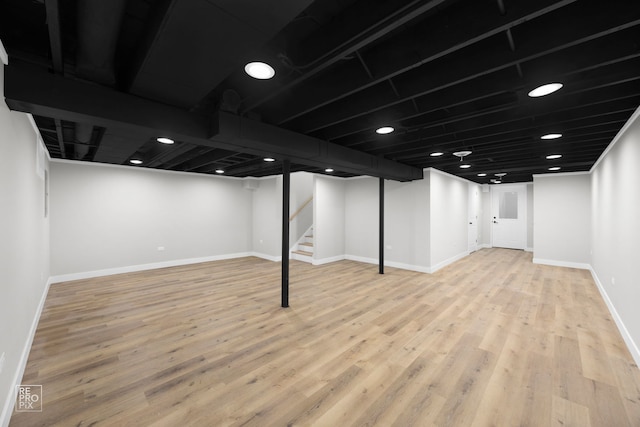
x,y
55,35
32,90
286,190
381,231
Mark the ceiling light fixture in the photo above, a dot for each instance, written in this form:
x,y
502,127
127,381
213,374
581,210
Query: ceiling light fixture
x,y
501,174
269,159
165,140
545,89
462,154
497,181
384,130
219,171
259,70
135,161
436,154
554,156
555,168
482,174
328,170
465,166
551,136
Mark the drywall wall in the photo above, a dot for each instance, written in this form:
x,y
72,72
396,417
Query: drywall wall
x,y
329,219
24,244
362,219
109,217
615,230
448,220
530,216
266,219
562,219
485,217
406,227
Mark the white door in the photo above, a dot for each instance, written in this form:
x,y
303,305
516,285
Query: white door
x,y
474,208
508,216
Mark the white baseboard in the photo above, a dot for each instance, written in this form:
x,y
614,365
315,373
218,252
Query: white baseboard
x,y
328,260
484,246
528,249
626,336
448,261
263,256
152,266
580,265
9,404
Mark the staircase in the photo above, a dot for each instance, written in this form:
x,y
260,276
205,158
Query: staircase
x,y
304,248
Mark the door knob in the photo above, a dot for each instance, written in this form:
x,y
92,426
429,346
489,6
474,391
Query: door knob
x,y
495,222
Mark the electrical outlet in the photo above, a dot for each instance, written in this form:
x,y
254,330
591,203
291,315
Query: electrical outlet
x,y
2,362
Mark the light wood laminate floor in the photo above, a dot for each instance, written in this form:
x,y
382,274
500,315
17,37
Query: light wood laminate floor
x,y
491,340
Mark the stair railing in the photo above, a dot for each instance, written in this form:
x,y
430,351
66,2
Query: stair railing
x,y
304,205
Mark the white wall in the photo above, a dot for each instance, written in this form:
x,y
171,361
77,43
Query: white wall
x,y
266,219
562,214
406,221
329,219
24,245
530,217
111,217
362,219
615,230
449,216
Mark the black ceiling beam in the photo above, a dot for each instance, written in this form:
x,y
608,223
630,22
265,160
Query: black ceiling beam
x,y
444,36
278,142
52,8
603,43
376,25
35,91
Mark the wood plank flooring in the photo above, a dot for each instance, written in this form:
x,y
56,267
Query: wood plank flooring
x,y
492,340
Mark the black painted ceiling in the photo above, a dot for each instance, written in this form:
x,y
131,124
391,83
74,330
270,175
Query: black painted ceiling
x,y
104,78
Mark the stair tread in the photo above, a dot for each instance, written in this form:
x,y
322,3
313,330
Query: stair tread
x,y
299,252
306,244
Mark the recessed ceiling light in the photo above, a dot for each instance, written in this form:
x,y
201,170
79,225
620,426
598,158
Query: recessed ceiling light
x,y
554,156
436,154
501,174
164,140
551,136
219,171
545,89
259,70
384,130
135,161
555,168
497,181
482,174
465,166
269,159
328,170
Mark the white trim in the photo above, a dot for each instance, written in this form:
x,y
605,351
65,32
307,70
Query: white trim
x,y
556,263
328,260
393,264
528,249
446,262
4,58
552,174
9,404
484,246
626,336
635,116
152,266
145,169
